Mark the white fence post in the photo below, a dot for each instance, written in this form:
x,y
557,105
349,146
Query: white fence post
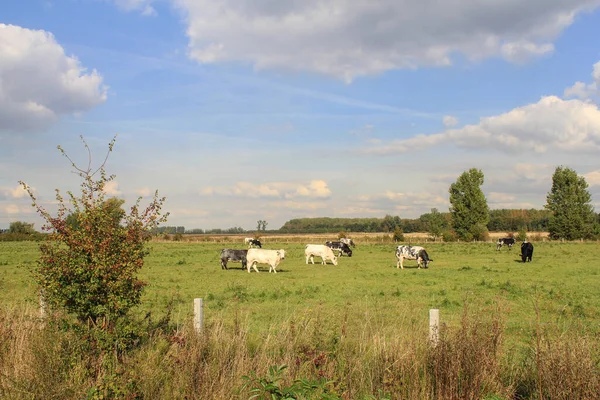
x,y
198,315
434,326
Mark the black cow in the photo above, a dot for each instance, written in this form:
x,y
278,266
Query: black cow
x,y
233,255
505,242
526,251
254,242
341,248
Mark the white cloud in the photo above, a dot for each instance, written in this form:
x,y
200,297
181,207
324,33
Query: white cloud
x,y
279,190
134,5
346,38
565,125
532,172
112,188
144,192
583,90
38,82
14,193
496,197
592,178
449,121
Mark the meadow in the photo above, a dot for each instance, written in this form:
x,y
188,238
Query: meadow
x,y
562,281
485,297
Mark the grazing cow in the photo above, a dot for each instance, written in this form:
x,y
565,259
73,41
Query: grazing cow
x,y
526,251
348,241
254,243
412,253
505,242
233,255
341,248
247,240
262,256
319,250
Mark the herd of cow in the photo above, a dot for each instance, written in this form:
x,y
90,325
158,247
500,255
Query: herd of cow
x,y
257,255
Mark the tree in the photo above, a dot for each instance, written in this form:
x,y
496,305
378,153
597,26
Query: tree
x,y
261,225
20,227
468,206
434,223
572,215
89,267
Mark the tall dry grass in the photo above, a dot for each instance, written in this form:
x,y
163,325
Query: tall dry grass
x,y
350,359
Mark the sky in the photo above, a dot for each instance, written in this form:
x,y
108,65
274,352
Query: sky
x,y
245,110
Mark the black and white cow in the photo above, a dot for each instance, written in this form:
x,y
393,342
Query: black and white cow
x,y
412,253
526,251
233,255
348,241
508,241
341,248
254,243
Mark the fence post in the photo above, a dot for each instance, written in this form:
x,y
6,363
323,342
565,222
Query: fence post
x,y
198,315
434,326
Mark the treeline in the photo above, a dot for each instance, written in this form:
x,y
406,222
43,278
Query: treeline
x,y
500,221
196,231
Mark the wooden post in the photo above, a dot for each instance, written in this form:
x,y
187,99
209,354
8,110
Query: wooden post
x,y
434,326
198,315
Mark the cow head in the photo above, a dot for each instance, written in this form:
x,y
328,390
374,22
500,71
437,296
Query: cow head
x,y
282,254
334,260
424,257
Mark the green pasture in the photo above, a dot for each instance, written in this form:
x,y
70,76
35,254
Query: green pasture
x,y
562,282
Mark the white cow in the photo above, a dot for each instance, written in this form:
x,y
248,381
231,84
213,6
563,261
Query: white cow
x,y
412,253
319,250
263,256
248,240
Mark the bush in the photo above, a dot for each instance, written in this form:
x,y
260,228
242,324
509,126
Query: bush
x,y
89,268
479,232
398,235
522,235
341,235
449,236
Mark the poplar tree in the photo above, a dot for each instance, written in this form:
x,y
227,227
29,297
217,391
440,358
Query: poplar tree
x,y
569,201
468,206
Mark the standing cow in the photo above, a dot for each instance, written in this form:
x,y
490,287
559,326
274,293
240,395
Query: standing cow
x,y
340,247
509,242
319,250
412,253
233,255
526,251
262,256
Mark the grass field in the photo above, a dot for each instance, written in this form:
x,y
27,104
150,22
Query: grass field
x,y
358,330
562,281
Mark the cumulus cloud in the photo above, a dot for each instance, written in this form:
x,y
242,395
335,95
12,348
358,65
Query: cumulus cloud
x,y
276,190
497,197
14,193
592,178
38,82
346,38
449,121
567,125
135,5
144,192
585,91
112,188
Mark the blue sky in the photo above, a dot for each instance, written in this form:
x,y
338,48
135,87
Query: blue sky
x,y
244,110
